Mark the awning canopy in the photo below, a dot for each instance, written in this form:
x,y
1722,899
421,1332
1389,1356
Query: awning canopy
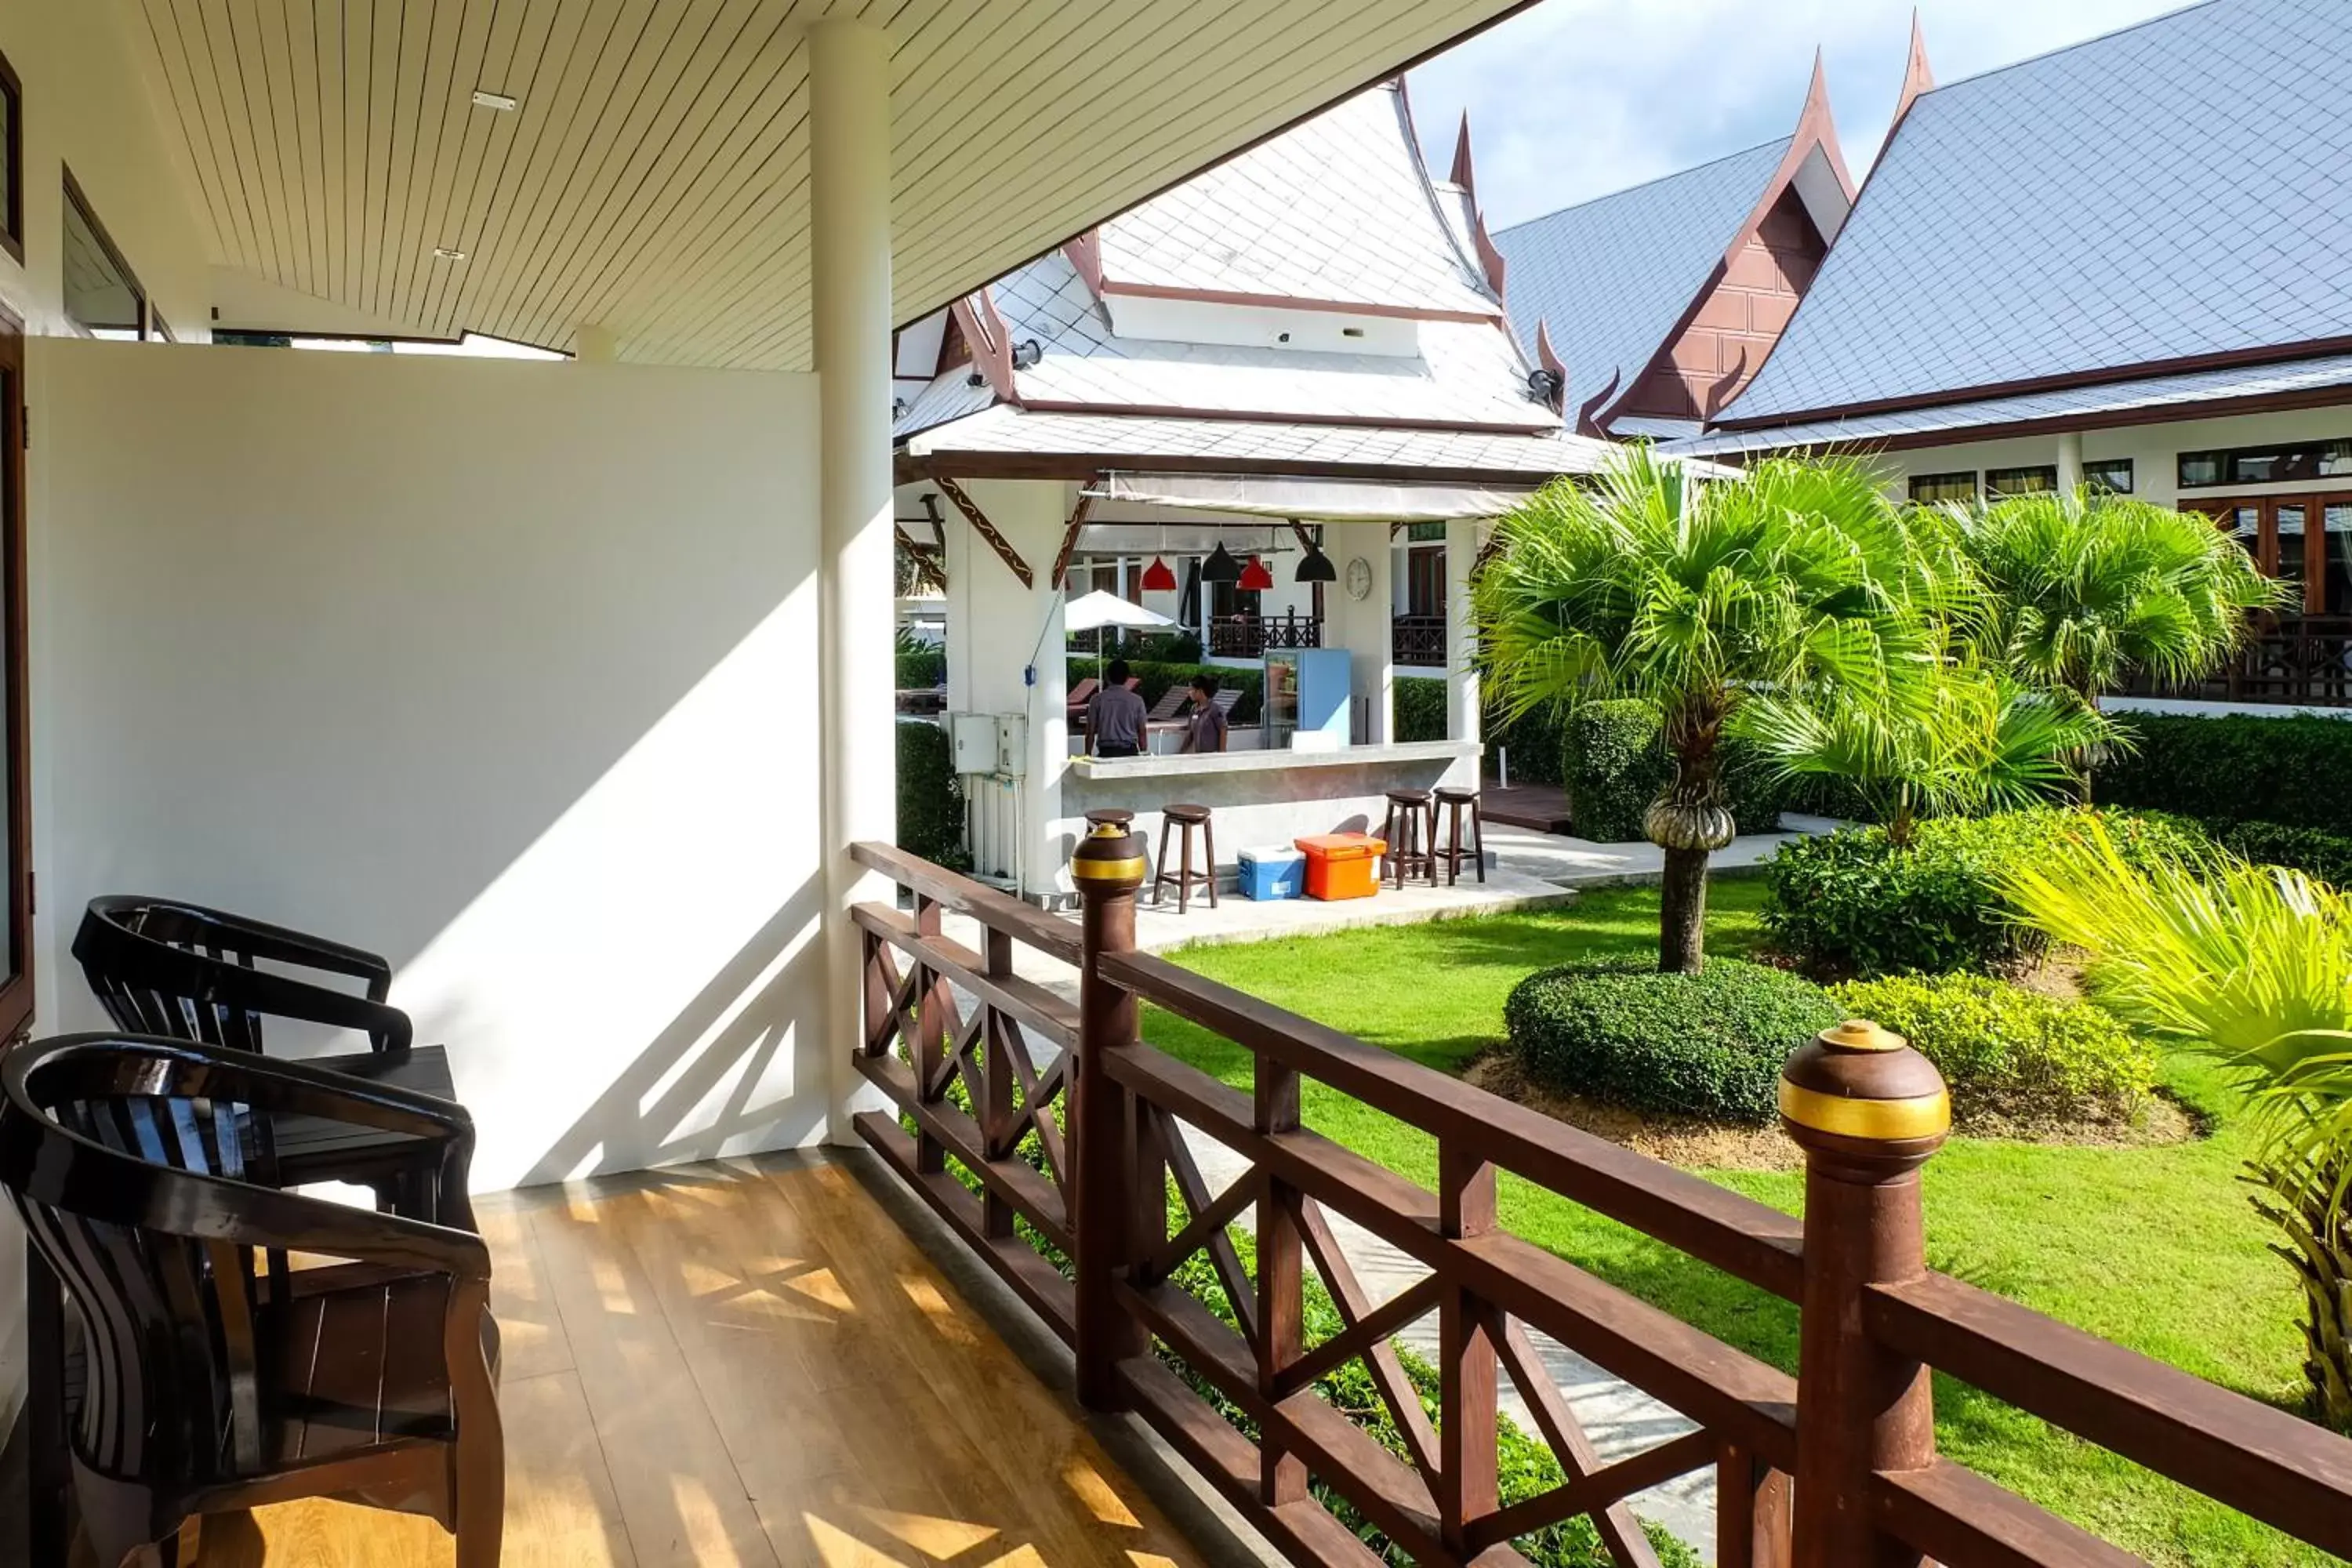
x,y
1311,500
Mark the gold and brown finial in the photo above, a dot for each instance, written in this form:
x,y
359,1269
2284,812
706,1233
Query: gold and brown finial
x,y
1860,1089
1109,860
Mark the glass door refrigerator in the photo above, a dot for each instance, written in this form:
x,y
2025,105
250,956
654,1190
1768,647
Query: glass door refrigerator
x,y
1307,692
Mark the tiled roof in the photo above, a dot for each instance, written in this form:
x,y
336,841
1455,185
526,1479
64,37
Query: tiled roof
x,y
1611,276
1291,218
1466,374
1130,442
2185,389
2170,191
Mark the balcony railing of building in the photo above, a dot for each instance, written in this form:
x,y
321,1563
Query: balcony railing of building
x,y
1048,1135
1248,636
1418,639
2288,660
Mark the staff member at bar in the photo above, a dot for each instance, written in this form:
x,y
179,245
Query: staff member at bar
x,y
1206,729
1116,717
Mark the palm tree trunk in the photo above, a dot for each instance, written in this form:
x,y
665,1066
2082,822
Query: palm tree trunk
x,y
1682,913
2320,1252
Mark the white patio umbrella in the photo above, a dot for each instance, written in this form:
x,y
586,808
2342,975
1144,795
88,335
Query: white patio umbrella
x,y
1092,612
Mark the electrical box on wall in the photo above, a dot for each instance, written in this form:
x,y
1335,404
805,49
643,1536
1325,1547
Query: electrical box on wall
x,y
1012,746
973,738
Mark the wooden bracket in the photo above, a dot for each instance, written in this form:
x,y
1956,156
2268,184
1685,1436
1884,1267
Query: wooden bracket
x,y
979,519
1298,530
929,567
1078,515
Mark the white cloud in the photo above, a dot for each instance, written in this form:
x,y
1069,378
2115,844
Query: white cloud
x,y
1574,99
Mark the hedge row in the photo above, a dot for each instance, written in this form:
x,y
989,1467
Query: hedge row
x,y
1158,676
1419,707
1614,763
2287,770
920,671
1851,903
2010,1054
931,797
2324,856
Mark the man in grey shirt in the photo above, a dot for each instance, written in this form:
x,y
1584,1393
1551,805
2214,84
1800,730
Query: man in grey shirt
x,y
1115,717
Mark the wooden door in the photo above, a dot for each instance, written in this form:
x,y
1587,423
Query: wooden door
x,y
15,792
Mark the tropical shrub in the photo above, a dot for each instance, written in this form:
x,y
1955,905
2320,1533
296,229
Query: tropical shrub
x,y
2251,965
2290,770
919,670
1613,761
1798,577
931,797
2323,856
1419,707
1854,903
2011,1055
1708,1045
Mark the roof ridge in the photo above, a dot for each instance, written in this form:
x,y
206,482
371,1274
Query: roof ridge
x,y
1656,180
2163,16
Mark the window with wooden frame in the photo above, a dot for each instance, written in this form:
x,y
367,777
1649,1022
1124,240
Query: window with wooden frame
x,y
1926,489
2304,540
103,296
2277,464
2033,479
11,161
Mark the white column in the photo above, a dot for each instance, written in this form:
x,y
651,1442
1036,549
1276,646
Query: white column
x,y
1362,626
849,174
1462,542
2070,462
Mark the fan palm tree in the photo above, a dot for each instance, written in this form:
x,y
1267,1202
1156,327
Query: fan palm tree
x,y
2079,593
1967,740
2253,966
1696,594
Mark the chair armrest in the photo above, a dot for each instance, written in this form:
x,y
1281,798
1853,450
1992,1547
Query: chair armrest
x,y
281,945
387,1028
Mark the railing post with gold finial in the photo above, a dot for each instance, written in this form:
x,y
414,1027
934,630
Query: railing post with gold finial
x,y
1868,1111
1107,869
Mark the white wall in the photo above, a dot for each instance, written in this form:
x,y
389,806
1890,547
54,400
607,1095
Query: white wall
x,y
504,670
1363,627
2153,449
86,106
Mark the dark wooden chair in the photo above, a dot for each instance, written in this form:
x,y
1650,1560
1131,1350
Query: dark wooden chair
x,y
162,967
206,1380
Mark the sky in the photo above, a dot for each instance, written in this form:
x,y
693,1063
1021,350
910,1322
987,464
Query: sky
x,y
1574,99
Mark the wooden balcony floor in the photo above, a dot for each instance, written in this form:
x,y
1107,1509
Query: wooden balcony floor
x,y
748,1364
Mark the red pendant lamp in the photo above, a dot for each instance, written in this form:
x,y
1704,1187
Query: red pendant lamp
x,y
1158,578
1255,577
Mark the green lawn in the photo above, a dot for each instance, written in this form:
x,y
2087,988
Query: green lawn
x,y
2154,1247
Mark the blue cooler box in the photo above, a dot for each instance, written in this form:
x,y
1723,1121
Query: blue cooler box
x,y
1273,872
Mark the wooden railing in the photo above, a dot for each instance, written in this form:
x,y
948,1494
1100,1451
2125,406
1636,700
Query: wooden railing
x,y
1248,636
1417,640
2299,660
1057,1178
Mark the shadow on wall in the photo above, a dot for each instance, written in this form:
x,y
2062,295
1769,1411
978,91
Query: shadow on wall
x,y
504,670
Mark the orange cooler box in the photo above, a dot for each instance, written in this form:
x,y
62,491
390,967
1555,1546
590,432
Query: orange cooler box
x,y
1342,865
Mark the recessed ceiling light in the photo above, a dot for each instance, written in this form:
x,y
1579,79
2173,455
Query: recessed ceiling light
x,y
485,98
443,253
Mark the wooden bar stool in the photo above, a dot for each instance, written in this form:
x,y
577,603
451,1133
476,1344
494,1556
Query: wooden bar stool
x,y
1452,802
1410,830
1110,817
1186,818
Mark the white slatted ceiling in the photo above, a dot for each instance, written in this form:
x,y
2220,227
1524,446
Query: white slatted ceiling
x,y
656,180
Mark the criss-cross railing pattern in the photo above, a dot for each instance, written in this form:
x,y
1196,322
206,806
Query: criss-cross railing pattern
x,y
1092,1186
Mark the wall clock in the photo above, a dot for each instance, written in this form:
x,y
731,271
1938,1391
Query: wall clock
x,y
1360,578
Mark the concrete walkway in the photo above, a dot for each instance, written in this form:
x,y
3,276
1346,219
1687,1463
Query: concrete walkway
x,y
1530,870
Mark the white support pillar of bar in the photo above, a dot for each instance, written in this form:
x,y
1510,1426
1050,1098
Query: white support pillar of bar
x,y
849,173
1461,541
2070,462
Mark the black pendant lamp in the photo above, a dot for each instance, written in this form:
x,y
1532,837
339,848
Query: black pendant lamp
x,y
1315,566
1221,566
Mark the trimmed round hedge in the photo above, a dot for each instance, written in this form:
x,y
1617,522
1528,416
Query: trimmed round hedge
x,y
1708,1045
2008,1053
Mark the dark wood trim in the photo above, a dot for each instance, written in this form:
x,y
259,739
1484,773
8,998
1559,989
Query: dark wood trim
x,y
81,203
987,529
2116,419
12,214
2235,359
15,733
1293,123
1113,288
1078,515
